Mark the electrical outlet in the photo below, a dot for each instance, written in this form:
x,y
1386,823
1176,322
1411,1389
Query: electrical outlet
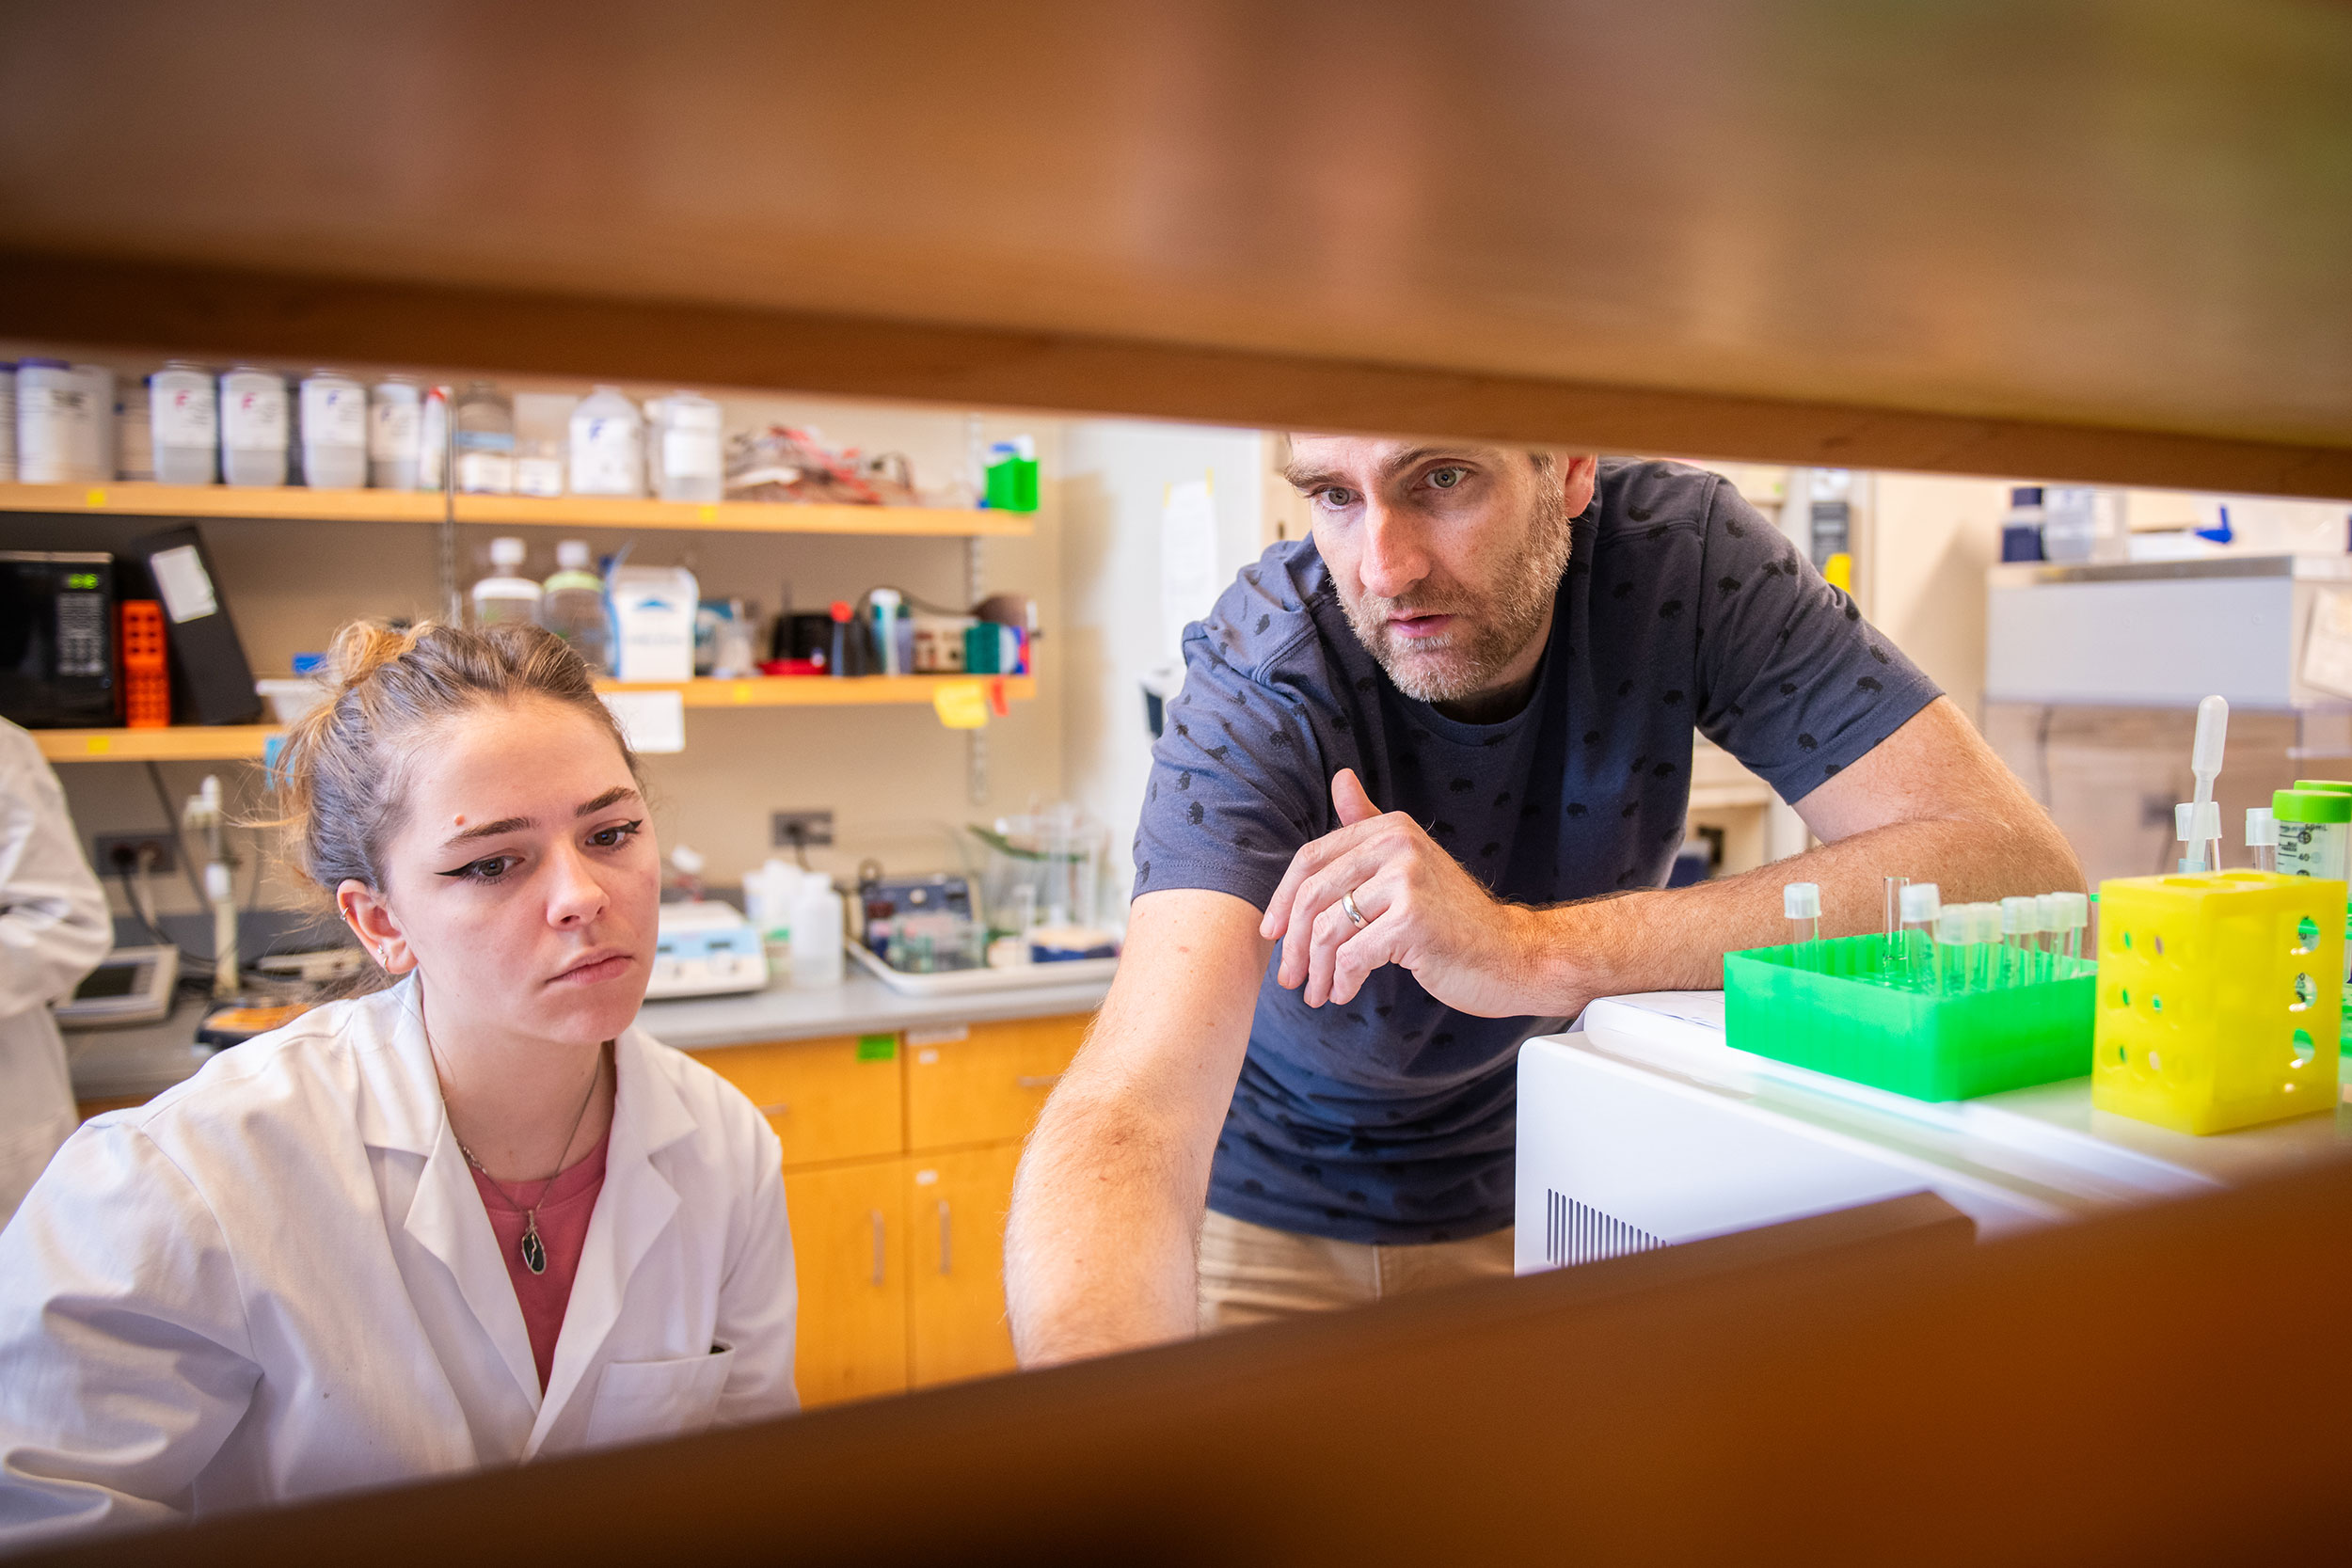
x,y
802,830
122,853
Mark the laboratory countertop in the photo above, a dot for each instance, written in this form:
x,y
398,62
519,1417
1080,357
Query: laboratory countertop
x,y
2045,1144
109,1064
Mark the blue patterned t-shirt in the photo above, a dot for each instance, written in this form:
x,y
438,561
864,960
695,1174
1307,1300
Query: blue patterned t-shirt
x,y
1391,1118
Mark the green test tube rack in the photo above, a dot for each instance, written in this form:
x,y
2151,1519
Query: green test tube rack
x,y
1834,1019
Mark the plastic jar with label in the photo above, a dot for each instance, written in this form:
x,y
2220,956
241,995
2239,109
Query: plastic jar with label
x,y
134,433
393,433
56,425
334,421
2315,832
484,424
184,421
608,445
684,452
99,383
253,427
8,420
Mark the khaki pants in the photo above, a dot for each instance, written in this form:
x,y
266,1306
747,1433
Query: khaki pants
x,y
1250,1274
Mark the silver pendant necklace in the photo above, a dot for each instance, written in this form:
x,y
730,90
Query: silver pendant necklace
x,y
533,1250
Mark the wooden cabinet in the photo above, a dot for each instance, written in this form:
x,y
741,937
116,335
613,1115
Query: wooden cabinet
x,y
849,1253
898,1160
984,1083
956,1205
836,1098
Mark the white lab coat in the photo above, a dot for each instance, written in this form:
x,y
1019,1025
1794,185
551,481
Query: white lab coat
x,y
53,928
278,1281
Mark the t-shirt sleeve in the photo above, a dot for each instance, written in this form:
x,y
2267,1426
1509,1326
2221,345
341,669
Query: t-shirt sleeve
x,y
1792,680
1238,782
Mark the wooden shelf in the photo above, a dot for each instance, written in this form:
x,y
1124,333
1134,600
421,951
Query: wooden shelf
x,y
177,743
235,742
820,690
135,500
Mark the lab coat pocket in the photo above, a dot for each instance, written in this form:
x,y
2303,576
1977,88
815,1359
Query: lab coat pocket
x,y
641,1400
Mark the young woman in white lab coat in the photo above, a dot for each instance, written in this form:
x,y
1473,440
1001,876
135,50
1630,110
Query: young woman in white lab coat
x,y
469,1220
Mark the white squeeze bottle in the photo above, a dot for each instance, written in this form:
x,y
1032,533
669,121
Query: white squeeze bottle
x,y
817,953
573,607
506,597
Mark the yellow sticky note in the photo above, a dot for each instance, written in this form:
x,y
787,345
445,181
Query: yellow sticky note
x,y
96,498
99,745
961,704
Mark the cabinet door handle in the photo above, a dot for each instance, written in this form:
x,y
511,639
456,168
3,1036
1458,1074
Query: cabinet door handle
x,y
1037,1080
944,1239
880,1245
779,1108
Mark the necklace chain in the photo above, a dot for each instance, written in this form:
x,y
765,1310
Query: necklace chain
x,y
533,1250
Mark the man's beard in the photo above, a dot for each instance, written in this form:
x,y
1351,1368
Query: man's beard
x,y
1487,634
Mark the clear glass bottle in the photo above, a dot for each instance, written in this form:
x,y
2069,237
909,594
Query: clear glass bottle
x,y
484,421
684,452
571,605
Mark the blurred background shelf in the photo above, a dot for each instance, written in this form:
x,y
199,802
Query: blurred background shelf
x,y
235,742
174,743
132,498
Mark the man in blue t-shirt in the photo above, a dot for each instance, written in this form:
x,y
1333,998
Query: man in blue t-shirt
x,y
1414,806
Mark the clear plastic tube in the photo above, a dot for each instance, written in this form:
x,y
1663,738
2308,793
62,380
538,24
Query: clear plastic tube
x,y
1952,928
2017,932
1802,903
1921,903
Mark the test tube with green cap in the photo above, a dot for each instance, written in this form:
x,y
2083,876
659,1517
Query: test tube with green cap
x,y
2315,832
1802,903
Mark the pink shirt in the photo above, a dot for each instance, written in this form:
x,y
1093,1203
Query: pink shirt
x,y
571,1199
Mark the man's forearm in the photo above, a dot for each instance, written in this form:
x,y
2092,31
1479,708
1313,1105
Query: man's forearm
x,y
1100,1249
1675,940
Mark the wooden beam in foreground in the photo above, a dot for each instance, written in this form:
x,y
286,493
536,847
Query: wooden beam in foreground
x,y
115,303
2164,1384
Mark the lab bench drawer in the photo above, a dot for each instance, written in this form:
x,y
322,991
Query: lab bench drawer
x,y
986,1081
828,1099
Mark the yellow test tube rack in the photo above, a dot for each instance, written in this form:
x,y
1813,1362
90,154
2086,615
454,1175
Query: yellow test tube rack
x,y
2220,995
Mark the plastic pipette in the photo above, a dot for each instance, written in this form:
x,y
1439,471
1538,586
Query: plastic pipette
x,y
1802,903
2198,822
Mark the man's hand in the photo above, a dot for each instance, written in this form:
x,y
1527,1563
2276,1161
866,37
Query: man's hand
x,y
1468,949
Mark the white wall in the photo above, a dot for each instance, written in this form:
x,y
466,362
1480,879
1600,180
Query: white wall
x,y
1114,480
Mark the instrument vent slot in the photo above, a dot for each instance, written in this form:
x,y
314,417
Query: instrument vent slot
x,y
1578,1233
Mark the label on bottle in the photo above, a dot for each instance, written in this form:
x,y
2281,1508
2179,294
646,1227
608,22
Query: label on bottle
x,y
538,476
184,416
606,460
690,453
392,430
253,419
334,414
2314,848
186,587
56,429
486,473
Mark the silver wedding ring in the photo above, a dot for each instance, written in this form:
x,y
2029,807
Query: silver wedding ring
x,y
1347,903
